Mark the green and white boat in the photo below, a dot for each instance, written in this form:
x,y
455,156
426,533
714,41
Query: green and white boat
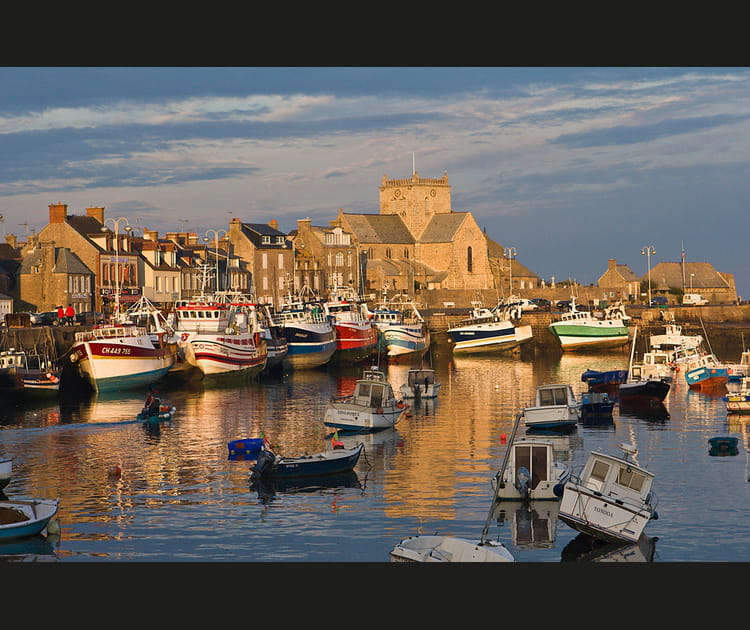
x,y
579,330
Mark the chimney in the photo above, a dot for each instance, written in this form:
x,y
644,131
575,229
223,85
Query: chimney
x,y
612,263
274,224
58,212
97,213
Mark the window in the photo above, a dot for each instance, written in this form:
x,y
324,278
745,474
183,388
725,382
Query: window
x,y
469,262
266,240
264,260
600,470
281,261
388,252
339,259
630,479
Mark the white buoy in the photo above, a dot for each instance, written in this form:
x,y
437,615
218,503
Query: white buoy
x,y
53,527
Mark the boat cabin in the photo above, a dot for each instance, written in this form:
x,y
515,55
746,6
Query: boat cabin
x,y
373,391
555,396
537,457
621,479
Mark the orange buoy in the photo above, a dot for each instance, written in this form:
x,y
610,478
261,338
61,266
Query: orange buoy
x,y
502,438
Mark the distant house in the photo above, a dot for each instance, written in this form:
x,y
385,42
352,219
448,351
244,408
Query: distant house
x,y
619,282
692,277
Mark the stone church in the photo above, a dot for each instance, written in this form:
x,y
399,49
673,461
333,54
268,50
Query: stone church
x,y
418,241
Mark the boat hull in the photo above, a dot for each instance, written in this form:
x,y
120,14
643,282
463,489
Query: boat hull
x,y
355,341
448,549
309,345
597,335
707,378
6,472
327,463
489,337
601,516
650,391
221,353
404,343
38,513
348,416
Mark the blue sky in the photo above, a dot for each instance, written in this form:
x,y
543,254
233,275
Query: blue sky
x,y
570,166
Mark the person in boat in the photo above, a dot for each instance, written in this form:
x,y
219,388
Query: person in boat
x,y
151,406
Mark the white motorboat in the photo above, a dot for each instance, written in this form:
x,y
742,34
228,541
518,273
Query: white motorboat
x,y
402,332
371,407
420,383
449,549
611,498
555,407
490,330
531,473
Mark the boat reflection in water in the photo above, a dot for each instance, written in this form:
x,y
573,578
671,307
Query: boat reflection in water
x,y
584,548
533,524
267,489
648,410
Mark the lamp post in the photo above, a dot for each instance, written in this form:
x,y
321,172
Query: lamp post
x,y
509,253
691,282
647,251
217,234
127,228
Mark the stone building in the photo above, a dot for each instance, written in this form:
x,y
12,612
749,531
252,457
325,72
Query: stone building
x,y
619,282
268,255
672,279
52,276
417,241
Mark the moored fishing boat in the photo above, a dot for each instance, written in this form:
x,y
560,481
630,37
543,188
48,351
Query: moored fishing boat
x,y
356,335
119,356
403,335
579,330
707,373
30,373
329,462
607,381
610,499
490,330
219,338
372,405
449,549
310,335
738,371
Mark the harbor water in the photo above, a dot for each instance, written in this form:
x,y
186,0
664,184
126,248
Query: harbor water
x,y
174,493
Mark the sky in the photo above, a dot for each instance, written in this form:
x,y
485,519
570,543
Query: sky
x,y
570,167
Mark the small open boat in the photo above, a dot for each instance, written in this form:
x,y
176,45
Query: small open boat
x,y
165,412
337,460
448,549
596,404
604,381
420,383
20,518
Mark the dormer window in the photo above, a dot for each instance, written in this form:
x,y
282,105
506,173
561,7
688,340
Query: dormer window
x,y
266,240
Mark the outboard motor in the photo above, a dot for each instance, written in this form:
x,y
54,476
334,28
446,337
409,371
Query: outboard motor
x,y
263,464
524,478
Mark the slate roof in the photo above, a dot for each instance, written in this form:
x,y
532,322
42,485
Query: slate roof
x,y
255,231
379,228
667,275
442,228
65,262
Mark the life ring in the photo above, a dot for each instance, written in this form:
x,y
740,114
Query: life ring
x,y
400,405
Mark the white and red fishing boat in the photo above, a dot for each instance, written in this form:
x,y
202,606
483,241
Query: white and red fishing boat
x,y
220,338
402,332
121,355
356,335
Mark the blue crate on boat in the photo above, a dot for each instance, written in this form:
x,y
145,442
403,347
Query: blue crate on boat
x,y
246,446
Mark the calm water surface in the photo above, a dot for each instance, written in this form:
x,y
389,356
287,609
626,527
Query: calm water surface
x,y
173,494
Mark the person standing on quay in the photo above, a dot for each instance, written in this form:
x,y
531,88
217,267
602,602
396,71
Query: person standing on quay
x,y
60,315
70,314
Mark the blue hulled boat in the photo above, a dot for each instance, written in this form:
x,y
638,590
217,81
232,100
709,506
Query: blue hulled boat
x,y
337,460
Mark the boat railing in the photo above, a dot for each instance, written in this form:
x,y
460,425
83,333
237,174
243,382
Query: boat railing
x,y
110,332
595,487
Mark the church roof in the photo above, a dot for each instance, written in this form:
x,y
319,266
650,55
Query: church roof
x,y
667,275
379,228
442,228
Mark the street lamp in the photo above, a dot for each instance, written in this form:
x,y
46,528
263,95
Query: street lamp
x,y
691,282
217,234
116,226
648,250
510,252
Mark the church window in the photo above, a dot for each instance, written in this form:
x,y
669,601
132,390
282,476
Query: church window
x,y
387,252
469,262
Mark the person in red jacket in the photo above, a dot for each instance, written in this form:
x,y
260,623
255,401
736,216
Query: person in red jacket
x,y
60,315
70,314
